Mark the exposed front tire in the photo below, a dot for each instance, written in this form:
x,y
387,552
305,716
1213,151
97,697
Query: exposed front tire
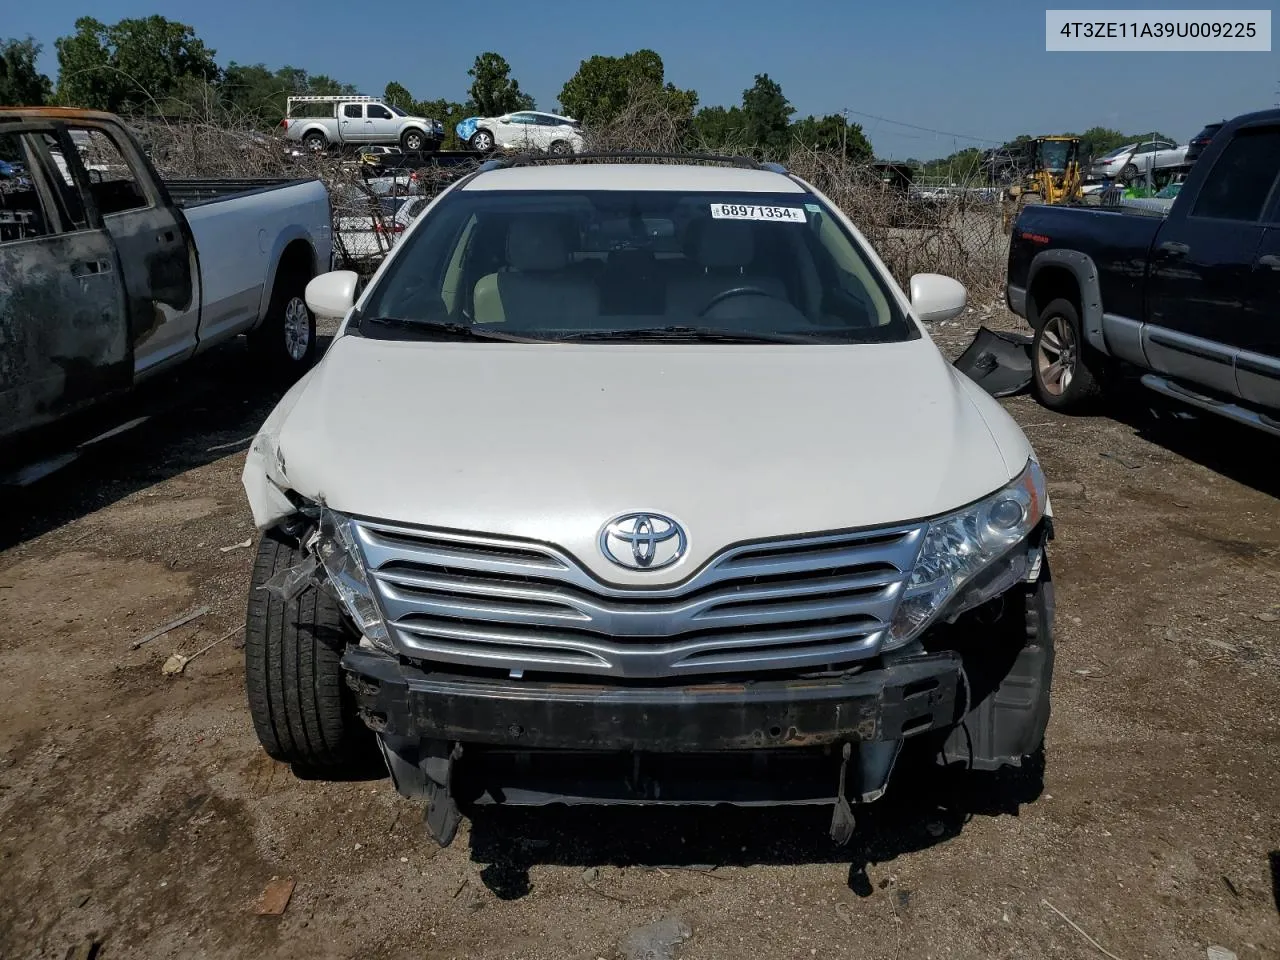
x,y
481,141
413,141
303,712
1063,377
286,340
316,141
1128,173
561,148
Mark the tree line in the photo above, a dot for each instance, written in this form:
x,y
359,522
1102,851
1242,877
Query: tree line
x,y
157,66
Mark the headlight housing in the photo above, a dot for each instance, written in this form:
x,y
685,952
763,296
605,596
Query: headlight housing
x,y
960,545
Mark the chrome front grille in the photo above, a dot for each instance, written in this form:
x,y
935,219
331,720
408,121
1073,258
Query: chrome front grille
x,y
513,605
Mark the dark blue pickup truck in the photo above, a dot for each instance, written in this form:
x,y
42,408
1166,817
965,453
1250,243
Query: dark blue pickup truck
x,y
1190,296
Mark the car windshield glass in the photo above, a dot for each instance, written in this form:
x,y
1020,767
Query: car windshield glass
x,y
1117,152
396,110
595,266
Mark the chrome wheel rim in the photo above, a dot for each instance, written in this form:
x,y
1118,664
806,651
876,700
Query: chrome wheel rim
x,y
1056,356
297,328
413,142
483,141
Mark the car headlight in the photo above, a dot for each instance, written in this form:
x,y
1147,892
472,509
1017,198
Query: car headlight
x,y
958,547
334,545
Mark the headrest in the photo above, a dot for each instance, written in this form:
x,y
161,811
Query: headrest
x,y
725,243
536,243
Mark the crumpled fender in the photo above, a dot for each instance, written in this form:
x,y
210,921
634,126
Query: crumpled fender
x,y
265,475
999,362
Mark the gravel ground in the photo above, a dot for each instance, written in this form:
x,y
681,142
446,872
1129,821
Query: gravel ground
x,y
137,810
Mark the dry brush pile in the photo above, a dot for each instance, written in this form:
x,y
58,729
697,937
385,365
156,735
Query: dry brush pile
x,y
962,236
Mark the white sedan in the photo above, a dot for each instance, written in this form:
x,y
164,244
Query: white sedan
x,y
1135,159
523,130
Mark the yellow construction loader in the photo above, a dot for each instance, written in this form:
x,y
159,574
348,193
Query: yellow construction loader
x,y
1053,174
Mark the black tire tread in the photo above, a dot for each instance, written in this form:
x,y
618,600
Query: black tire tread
x,y
301,708
267,342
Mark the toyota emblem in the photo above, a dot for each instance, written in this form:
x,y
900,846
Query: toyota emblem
x,y
643,541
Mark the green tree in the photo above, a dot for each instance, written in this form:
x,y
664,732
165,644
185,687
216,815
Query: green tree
x,y
766,116
133,63
831,134
398,95
493,91
21,84
717,128
260,93
447,112
604,86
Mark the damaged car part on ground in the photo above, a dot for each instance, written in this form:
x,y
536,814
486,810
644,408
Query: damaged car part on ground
x,y
529,641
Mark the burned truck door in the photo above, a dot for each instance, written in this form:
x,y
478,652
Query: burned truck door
x,y
157,251
64,336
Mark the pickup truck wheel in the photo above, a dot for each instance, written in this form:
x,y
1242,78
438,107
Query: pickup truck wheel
x,y
413,141
286,341
302,710
481,141
316,141
1061,378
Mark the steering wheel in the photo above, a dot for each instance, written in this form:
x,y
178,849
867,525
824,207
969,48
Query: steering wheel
x,y
734,292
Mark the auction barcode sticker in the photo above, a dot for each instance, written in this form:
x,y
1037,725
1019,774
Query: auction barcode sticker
x,y
1155,31
742,211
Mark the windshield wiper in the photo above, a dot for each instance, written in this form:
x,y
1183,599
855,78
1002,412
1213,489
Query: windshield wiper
x,y
447,328
699,334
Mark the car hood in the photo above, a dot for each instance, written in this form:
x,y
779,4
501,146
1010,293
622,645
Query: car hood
x,y
550,441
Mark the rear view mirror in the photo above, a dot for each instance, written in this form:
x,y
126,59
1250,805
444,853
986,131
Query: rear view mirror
x,y
935,298
332,294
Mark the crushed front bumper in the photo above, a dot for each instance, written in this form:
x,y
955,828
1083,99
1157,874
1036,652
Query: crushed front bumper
x,y
402,701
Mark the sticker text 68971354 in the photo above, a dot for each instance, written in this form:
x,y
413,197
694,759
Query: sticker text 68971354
x,y
742,211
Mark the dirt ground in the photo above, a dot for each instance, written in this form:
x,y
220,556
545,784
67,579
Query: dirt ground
x,y
138,810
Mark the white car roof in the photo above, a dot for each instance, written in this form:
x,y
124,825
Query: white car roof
x,y
634,176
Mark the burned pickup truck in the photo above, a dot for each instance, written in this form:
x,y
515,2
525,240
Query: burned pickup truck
x,y
109,275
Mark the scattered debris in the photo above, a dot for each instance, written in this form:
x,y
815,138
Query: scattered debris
x,y
1267,617
1124,463
1072,924
87,949
656,941
177,663
1220,644
460,888
186,618
1230,886
998,362
237,546
227,446
84,898
275,897
1221,953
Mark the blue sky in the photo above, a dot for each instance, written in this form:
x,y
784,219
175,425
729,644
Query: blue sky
x,y
973,68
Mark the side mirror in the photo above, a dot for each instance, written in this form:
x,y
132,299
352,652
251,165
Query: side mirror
x,y
935,298
332,294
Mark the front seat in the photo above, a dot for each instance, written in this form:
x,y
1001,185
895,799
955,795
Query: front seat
x,y
724,251
536,284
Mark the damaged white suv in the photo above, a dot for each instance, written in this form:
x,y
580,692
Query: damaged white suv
x,y
636,482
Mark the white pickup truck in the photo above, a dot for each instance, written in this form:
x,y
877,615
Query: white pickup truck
x,y
109,275
324,122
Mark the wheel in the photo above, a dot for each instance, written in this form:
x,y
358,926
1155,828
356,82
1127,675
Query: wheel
x,y
316,141
286,340
561,148
413,140
302,710
481,140
1129,173
1061,376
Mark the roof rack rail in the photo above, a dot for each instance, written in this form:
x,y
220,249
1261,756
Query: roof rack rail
x,y
624,156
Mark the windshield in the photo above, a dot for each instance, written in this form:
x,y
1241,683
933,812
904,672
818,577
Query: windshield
x,y
1053,155
564,265
396,110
